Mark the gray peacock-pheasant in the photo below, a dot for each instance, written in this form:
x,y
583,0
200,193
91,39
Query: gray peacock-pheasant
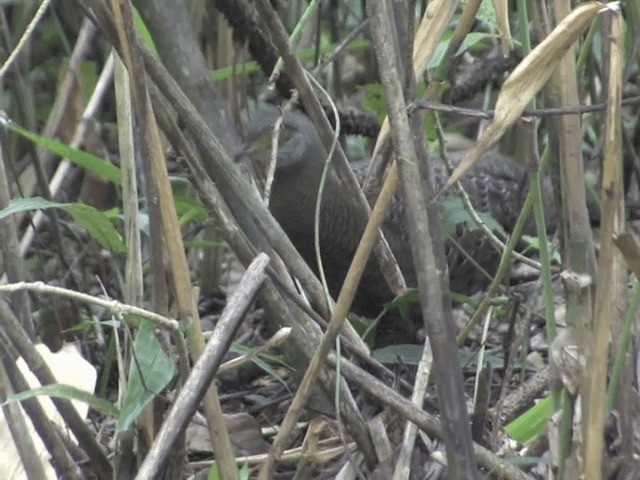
x,y
496,186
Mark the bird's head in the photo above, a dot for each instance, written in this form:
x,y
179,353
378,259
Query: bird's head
x,y
298,143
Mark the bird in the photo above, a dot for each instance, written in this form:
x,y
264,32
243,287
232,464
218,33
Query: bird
x,y
496,186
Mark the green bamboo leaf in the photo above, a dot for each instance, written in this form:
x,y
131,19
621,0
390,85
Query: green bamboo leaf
x,y
143,31
96,222
531,423
61,390
150,372
83,159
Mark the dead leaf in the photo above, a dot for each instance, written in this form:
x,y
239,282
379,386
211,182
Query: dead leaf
x,y
526,80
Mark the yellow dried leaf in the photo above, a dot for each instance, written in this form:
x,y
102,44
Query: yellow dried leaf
x,y
527,80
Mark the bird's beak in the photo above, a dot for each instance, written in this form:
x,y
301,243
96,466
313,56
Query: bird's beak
x,y
243,152
251,146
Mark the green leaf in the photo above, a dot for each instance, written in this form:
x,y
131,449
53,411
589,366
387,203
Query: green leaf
x,y
80,158
404,302
472,40
214,472
441,50
99,226
143,31
150,372
89,73
261,360
486,13
360,324
454,213
191,207
464,300
373,101
61,390
226,73
96,222
524,462
408,354
534,242
531,423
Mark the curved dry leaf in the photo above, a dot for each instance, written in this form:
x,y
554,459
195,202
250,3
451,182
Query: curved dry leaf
x,y
629,245
526,80
433,24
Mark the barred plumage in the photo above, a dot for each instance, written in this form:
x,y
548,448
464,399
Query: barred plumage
x,y
496,185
